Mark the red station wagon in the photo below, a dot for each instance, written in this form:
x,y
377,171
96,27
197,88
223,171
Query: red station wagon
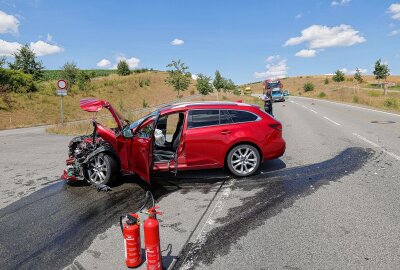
x,y
183,136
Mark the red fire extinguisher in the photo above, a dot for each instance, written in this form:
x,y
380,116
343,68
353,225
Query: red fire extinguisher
x,y
152,240
131,232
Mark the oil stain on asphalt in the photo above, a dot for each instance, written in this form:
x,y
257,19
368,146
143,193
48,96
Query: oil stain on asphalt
x,y
51,227
277,191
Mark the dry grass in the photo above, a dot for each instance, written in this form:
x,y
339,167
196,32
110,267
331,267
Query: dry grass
x,y
368,95
125,93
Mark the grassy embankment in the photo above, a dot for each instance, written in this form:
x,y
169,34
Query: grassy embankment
x,y
369,94
125,93
129,95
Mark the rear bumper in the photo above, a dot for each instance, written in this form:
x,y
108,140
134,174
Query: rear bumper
x,y
275,149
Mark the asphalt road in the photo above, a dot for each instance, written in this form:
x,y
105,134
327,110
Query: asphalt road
x,y
331,202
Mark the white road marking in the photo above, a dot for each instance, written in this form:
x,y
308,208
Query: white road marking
x,y
353,106
377,146
330,120
313,111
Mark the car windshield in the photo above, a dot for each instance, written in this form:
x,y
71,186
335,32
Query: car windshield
x,y
274,85
135,124
277,92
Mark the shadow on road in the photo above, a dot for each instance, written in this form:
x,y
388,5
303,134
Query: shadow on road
x,y
276,190
51,227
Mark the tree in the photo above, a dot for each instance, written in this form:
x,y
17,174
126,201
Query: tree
x,y
338,77
219,82
358,77
381,72
123,68
25,60
70,72
204,85
83,80
178,77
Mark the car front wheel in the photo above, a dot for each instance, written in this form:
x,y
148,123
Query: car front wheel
x,y
101,169
243,160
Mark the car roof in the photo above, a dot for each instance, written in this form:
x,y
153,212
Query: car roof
x,y
204,105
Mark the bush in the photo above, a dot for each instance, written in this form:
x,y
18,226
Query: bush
x,y
321,95
236,92
307,87
192,91
16,81
123,68
326,81
356,99
83,80
145,104
391,103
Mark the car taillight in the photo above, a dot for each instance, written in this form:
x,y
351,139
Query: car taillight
x,y
276,126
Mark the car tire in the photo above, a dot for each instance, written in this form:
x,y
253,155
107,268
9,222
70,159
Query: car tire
x,y
243,160
101,169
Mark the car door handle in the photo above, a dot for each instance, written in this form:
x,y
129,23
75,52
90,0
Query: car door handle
x,y
226,132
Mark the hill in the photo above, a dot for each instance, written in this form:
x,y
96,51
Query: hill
x,y
126,93
369,93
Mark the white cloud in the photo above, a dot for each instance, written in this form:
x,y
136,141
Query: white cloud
x,y
272,58
306,53
277,68
8,23
298,16
340,2
321,36
49,38
104,63
394,33
344,70
194,77
177,41
362,71
42,48
132,62
8,48
394,9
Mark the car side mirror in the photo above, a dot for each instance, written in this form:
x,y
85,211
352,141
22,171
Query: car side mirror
x,y
127,133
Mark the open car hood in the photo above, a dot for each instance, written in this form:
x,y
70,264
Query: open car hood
x,y
95,105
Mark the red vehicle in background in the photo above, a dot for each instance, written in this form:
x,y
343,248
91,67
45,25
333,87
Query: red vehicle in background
x,y
184,136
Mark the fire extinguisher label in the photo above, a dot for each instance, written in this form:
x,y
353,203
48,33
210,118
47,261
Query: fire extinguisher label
x,y
153,258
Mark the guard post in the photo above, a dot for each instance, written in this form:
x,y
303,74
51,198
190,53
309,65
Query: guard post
x,y
62,91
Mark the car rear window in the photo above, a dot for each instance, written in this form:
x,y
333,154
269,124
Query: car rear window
x,y
202,118
242,116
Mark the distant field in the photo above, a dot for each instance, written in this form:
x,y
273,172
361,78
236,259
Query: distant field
x,y
370,94
57,74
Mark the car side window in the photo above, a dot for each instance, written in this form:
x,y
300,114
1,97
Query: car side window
x,y
224,117
242,116
202,118
146,131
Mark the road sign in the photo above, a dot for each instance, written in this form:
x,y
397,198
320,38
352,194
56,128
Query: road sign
x,y
61,92
62,84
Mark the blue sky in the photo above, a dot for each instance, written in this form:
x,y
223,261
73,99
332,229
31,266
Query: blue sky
x,y
246,40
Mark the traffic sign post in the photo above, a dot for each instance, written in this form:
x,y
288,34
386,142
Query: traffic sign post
x,y
62,91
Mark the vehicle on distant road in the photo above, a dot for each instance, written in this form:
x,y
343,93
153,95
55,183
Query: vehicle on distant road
x,y
277,95
183,136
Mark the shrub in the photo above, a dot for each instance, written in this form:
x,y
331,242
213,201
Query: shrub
x,y
236,92
224,97
123,68
307,87
321,95
192,91
326,81
16,81
145,104
391,103
83,80
356,99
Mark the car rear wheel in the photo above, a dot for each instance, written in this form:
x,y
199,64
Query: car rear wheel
x,y
101,169
243,160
